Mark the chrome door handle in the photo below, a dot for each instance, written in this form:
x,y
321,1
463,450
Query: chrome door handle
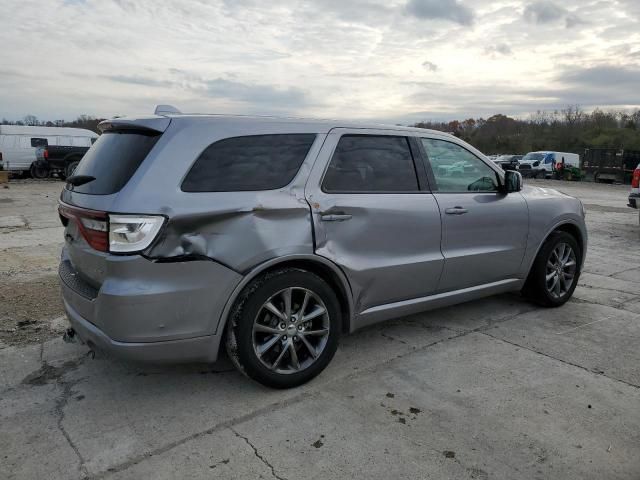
x,y
335,217
456,211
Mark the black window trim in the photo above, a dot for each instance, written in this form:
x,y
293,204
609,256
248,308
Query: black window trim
x,y
422,183
188,170
432,177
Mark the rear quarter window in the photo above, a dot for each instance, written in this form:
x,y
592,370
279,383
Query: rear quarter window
x,y
255,162
113,160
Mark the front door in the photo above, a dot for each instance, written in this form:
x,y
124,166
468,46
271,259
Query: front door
x,y
484,231
374,216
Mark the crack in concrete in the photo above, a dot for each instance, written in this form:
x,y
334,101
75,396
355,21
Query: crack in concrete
x,y
257,454
617,290
268,408
61,403
622,271
48,373
392,338
219,426
615,307
596,372
304,395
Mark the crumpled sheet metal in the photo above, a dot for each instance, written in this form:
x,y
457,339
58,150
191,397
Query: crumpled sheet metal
x,y
260,227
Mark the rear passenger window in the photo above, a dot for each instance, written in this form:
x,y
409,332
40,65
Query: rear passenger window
x,y
370,163
257,162
39,142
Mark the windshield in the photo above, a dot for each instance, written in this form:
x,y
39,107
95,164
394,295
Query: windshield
x,y
533,157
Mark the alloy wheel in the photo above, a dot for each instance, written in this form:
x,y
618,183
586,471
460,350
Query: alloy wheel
x,y
291,330
560,270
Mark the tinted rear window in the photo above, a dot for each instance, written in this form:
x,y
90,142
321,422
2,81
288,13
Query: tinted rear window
x,y
257,162
113,160
369,163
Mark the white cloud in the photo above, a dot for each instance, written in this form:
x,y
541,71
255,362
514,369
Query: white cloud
x,y
322,58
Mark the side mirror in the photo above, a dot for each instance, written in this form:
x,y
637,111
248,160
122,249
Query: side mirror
x,y
512,181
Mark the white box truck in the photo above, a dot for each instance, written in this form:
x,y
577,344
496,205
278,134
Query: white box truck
x,y
18,143
543,163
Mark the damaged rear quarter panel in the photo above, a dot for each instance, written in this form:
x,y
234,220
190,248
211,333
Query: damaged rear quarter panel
x,y
238,229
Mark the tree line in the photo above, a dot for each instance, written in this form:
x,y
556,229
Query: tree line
x,y
568,130
571,129
83,121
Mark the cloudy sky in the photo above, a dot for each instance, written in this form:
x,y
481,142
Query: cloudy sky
x,y
384,60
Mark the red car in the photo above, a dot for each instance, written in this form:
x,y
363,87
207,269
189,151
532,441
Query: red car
x,y
634,195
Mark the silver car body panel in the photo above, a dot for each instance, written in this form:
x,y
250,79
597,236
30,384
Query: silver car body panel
x,y
396,255
389,248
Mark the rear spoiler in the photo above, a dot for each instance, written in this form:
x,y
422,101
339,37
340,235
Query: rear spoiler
x,y
150,124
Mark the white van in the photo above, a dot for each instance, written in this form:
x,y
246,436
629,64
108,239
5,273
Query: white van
x,y
543,163
18,143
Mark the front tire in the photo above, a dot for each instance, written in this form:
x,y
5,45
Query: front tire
x,y
284,328
555,271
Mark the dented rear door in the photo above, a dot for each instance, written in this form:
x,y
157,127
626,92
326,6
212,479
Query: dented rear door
x,y
374,216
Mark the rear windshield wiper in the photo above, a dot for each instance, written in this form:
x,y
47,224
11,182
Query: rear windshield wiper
x,y
77,180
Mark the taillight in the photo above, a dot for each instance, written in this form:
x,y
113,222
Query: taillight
x,y
93,225
114,232
635,181
45,154
132,233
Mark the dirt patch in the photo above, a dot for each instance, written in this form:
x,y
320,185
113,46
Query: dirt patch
x,y
27,308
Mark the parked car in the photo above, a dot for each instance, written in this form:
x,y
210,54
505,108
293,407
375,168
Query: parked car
x,y
508,162
62,160
272,237
18,143
634,195
543,164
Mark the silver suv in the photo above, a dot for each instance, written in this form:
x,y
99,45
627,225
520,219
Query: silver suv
x,y
274,236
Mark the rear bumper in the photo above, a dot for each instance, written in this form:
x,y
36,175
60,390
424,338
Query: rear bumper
x,y
148,311
199,349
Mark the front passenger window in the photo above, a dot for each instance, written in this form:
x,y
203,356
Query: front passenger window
x,y
458,170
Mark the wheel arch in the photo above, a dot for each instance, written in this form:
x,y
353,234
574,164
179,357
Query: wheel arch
x,y
569,227
573,230
316,264
72,157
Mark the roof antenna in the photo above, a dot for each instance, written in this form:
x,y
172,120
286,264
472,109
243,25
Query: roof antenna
x,y
166,109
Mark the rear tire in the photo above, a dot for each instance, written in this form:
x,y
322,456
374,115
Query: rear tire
x,y
555,271
268,338
71,168
39,171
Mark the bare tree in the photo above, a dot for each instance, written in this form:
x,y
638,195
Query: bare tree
x,y
30,120
573,115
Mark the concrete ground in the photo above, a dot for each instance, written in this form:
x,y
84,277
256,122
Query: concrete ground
x,y
495,388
